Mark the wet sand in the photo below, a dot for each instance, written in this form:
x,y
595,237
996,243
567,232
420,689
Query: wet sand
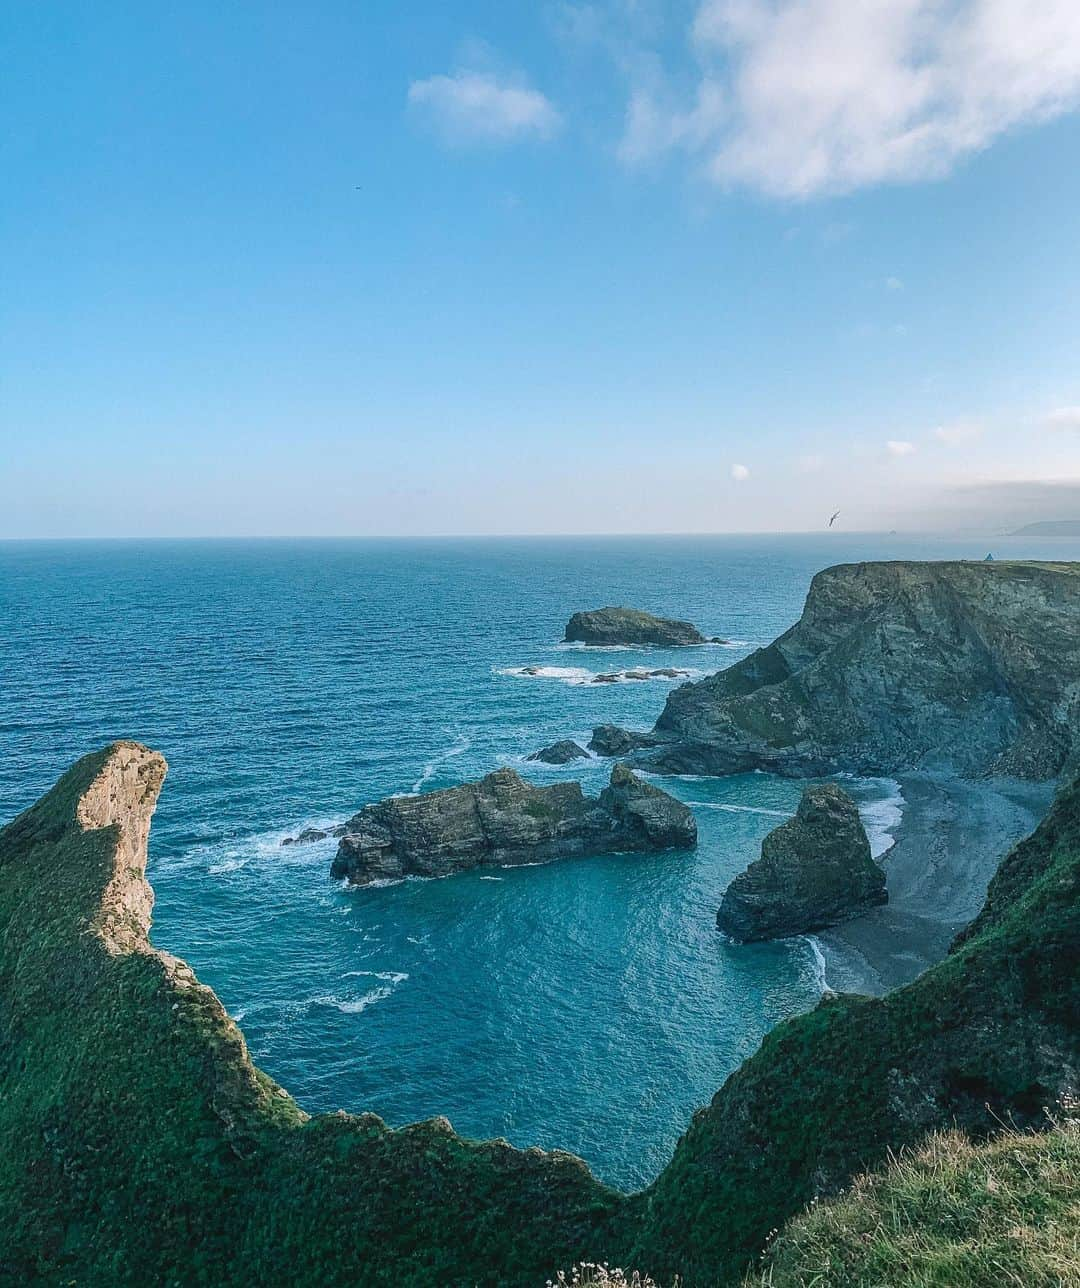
x,y
949,843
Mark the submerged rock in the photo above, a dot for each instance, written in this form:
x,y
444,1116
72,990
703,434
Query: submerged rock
x,y
311,834
503,820
814,871
630,626
660,673
561,753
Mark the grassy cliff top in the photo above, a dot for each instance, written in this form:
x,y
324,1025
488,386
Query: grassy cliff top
x,y
952,1212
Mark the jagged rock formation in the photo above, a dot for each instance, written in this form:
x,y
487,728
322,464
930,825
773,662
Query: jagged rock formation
x,y
969,667
138,1143
560,753
607,626
815,870
503,820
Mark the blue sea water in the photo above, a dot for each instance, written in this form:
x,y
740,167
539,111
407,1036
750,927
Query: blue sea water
x,y
589,1005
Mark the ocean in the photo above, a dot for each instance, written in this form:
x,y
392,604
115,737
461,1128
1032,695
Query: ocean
x,y
590,1004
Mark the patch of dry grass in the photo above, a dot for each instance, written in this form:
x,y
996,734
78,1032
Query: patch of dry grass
x,y
949,1214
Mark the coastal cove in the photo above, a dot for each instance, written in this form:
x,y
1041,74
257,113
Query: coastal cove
x,y
589,1005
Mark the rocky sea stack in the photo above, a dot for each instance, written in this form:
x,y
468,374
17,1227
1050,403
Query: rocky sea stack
x,y
502,821
608,626
560,753
814,871
967,667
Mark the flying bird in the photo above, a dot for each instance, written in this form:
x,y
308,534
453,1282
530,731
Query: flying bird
x,y
833,519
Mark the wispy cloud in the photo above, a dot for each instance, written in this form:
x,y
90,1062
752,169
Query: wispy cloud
x,y
958,434
1063,418
898,447
479,107
797,98
740,473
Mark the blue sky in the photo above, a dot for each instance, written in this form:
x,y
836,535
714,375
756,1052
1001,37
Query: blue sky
x,y
382,268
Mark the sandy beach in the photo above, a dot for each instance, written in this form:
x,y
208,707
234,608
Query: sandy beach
x,y
951,838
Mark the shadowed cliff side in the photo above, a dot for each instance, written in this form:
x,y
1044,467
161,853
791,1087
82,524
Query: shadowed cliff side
x,y
968,667
138,1143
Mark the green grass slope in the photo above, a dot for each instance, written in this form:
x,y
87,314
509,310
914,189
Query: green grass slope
x,y
951,1214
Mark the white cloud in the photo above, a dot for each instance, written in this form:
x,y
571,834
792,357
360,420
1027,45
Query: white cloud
x,y
958,434
652,129
823,96
893,284
479,107
740,473
1063,418
899,447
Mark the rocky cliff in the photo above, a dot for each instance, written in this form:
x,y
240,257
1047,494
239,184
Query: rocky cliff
x,y
815,870
969,667
503,820
139,1144
607,626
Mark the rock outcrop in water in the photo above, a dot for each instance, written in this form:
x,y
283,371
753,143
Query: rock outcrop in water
x,y
140,1145
967,667
815,870
608,626
560,753
502,821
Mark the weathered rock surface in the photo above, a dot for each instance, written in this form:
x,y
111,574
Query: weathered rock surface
x,y
503,820
969,667
610,740
814,871
629,626
561,753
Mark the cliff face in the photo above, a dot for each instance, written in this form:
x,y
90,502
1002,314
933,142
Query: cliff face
x,y
503,820
972,667
139,1144
814,871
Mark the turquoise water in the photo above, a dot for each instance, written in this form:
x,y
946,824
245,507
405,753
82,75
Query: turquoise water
x,y
589,1004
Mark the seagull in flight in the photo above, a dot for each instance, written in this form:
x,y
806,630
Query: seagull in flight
x,y
833,519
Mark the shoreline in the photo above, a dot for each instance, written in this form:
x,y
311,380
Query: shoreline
x,y
952,836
